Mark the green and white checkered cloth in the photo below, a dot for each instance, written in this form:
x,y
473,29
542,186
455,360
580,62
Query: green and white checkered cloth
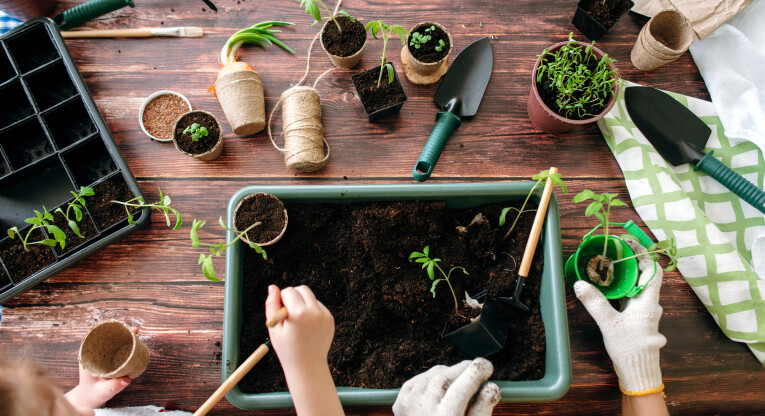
x,y
713,227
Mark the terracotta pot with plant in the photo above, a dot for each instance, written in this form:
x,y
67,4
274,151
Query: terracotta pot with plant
x,y
572,84
424,55
198,134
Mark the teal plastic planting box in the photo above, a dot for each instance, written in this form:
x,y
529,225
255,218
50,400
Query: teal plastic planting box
x,y
557,378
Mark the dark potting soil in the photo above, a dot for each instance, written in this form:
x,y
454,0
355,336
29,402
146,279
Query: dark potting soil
x,y
106,213
87,229
21,263
161,113
548,93
608,12
427,52
346,43
373,98
205,143
388,325
464,315
266,209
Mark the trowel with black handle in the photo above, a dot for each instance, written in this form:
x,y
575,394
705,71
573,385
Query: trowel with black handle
x,y
680,137
459,96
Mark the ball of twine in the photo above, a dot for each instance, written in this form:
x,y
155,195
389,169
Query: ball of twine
x,y
302,130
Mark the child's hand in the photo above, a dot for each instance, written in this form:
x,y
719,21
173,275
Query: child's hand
x,y
303,339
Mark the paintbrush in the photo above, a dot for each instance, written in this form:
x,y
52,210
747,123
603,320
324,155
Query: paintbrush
x,y
181,32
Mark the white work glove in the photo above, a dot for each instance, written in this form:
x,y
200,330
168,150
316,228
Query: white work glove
x,y
446,391
632,336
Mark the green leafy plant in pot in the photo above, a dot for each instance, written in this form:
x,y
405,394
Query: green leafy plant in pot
x,y
477,327
343,37
572,84
606,260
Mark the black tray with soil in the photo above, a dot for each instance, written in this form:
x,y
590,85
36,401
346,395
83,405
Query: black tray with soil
x,y
595,18
379,102
346,43
355,258
53,141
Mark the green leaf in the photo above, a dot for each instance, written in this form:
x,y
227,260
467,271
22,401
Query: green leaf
x,y
617,203
166,200
222,223
49,242
85,191
422,260
13,231
593,208
431,272
178,219
391,75
426,250
503,215
77,212
208,270
415,254
583,196
58,235
258,249
131,221
34,221
196,225
433,287
73,225
202,258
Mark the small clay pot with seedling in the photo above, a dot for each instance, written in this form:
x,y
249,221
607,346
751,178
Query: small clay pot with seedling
x,y
198,134
606,260
595,18
572,84
343,37
476,326
424,55
379,88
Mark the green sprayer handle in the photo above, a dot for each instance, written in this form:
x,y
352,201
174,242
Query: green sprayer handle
x,y
446,123
748,191
644,239
76,16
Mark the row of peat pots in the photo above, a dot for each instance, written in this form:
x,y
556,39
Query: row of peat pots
x,y
59,166
392,262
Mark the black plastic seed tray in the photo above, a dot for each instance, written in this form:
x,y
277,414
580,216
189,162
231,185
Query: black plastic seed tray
x,y
52,142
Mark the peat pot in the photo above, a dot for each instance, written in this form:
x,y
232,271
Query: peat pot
x,y
482,337
557,377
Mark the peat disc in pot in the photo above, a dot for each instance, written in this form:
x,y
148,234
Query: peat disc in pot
x,y
111,350
206,146
484,336
344,48
266,209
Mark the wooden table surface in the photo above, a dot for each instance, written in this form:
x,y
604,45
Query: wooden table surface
x,y
151,279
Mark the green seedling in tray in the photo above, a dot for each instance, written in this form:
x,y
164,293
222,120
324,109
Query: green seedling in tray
x,y
576,85
217,249
312,8
40,220
386,32
162,205
430,265
76,206
539,177
196,131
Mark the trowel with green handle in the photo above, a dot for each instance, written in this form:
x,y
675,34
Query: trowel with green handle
x,y
680,137
459,96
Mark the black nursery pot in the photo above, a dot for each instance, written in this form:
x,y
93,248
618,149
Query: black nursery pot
x,y
367,92
484,336
590,27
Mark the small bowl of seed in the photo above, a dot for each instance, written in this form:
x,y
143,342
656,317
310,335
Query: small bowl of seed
x,y
159,113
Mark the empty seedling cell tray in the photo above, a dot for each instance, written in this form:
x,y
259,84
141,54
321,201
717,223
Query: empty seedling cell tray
x,y
53,141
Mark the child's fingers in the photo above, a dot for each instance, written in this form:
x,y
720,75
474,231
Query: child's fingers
x,y
273,302
308,296
293,300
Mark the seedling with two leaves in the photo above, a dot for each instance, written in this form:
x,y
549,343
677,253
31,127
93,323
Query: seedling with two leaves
x,y
430,265
312,8
197,131
217,249
40,220
76,206
163,205
386,32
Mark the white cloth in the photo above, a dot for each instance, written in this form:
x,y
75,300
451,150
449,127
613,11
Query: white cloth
x,y
446,391
632,336
140,411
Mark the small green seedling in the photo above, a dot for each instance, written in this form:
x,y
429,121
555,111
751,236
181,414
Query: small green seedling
x,y
600,207
417,40
666,247
577,86
430,265
539,177
77,205
440,46
40,220
312,8
197,131
216,249
162,205
386,32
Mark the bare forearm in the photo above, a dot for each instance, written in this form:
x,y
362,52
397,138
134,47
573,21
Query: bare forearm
x,y
652,404
314,393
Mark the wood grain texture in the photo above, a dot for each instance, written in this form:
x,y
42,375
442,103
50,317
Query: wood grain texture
x,y
151,279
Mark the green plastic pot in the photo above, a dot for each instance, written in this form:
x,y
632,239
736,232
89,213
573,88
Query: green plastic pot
x,y
625,272
557,378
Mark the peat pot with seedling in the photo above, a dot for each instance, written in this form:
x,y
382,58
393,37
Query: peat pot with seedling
x,y
572,84
379,88
198,134
424,55
595,18
343,37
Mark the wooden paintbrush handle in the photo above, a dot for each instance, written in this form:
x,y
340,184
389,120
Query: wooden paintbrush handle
x,y
112,33
536,227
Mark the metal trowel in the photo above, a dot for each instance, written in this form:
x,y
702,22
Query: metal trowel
x,y
459,96
680,137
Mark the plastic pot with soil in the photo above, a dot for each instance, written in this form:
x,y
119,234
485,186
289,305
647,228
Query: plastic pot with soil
x,y
556,109
198,134
379,98
595,18
345,47
424,56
